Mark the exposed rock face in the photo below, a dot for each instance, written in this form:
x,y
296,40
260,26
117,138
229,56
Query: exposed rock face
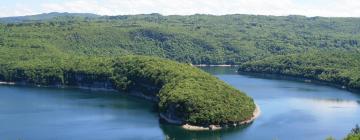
x,y
87,81
171,118
84,81
143,89
170,115
146,91
185,95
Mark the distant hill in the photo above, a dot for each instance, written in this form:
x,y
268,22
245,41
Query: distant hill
x,y
43,17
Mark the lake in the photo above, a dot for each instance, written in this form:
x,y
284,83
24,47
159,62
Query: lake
x,y
290,110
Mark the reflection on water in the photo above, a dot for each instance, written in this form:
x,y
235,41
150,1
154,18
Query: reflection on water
x,y
180,134
294,109
46,113
339,103
290,110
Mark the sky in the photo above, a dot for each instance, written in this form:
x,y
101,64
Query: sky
x,y
310,8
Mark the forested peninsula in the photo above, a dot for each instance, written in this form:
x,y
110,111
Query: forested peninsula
x,y
185,94
87,50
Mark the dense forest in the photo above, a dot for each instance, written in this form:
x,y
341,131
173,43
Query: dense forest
x,y
193,95
65,49
184,93
197,39
314,47
334,67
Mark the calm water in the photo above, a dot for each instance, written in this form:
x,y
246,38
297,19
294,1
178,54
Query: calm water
x,y
290,110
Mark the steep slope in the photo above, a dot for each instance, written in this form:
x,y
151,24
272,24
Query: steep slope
x,y
185,93
197,39
340,68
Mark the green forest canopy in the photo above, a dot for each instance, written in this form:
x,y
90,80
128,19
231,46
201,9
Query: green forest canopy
x,y
334,67
51,48
182,91
259,42
197,39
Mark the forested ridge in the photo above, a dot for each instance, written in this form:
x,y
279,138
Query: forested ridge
x,y
313,47
340,68
184,93
197,39
58,49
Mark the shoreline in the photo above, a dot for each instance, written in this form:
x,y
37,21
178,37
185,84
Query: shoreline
x,y
299,79
189,127
59,86
256,114
7,83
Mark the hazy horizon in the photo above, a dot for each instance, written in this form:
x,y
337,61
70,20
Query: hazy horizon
x,y
309,8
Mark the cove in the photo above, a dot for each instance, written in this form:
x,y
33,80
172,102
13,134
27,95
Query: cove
x,y
290,110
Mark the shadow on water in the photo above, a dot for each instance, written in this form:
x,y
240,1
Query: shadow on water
x,y
233,70
112,100
87,98
312,86
174,132
293,79
305,86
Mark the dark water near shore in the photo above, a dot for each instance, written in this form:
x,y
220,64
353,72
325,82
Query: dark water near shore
x,y
290,110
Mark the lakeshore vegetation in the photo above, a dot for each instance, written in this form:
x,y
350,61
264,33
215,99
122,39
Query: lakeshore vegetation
x,y
321,48
342,69
354,134
184,93
55,48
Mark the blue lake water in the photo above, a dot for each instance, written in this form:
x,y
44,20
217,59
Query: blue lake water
x,y
290,110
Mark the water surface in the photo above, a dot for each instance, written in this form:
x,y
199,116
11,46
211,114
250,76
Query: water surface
x,y
290,110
